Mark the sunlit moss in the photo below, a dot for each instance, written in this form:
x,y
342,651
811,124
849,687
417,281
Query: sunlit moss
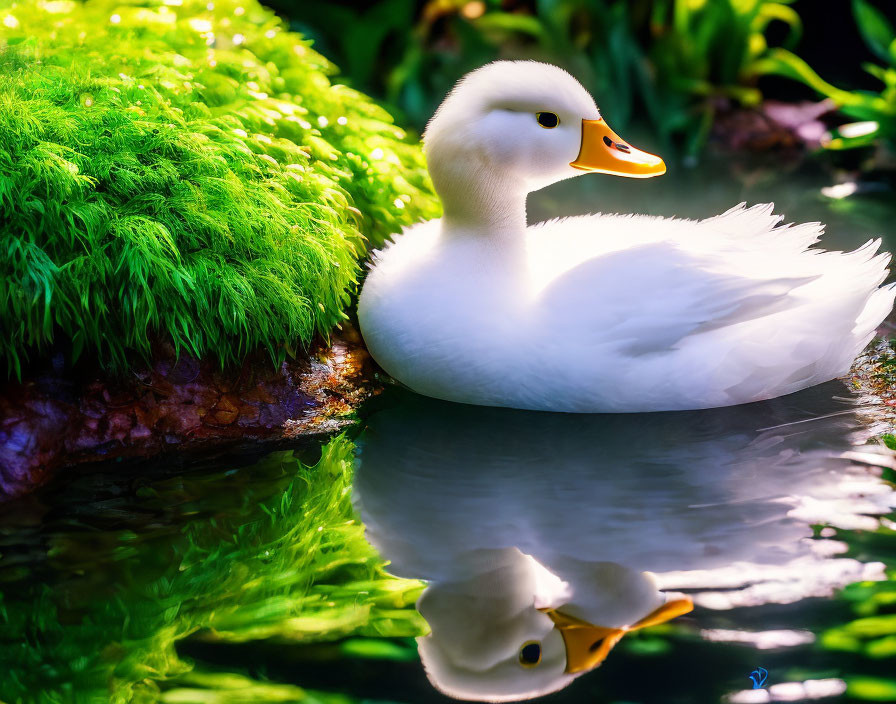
x,y
183,169
269,552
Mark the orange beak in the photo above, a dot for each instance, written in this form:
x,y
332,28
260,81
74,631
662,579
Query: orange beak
x,y
604,151
587,645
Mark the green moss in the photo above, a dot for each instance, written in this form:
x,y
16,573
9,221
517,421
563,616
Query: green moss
x,y
269,552
169,170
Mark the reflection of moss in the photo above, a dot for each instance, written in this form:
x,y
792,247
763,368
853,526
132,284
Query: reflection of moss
x,y
873,633
866,643
226,688
172,169
873,689
267,552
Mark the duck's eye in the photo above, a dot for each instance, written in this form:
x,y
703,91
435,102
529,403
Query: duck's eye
x,y
548,120
530,654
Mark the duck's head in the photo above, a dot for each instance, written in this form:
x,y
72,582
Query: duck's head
x,y
523,125
515,630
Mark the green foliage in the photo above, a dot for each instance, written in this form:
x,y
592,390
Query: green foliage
x,y
705,50
268,552
875,111
865,642
170,170
672,57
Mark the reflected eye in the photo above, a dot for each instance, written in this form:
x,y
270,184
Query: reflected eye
x,y
530,654
548,120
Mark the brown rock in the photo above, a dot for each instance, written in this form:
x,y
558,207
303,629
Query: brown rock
x,y
58,418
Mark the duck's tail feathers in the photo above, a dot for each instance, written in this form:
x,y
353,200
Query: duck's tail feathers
x,y
874,313
759,222
870,272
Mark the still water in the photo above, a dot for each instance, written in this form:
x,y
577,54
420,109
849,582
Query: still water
x,y
293,577
438,551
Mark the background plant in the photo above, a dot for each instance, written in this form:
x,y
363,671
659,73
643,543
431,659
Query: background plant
x,y
876,111
709,54
671,60
187,170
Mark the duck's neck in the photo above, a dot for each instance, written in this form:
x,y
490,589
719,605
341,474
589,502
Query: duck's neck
x,y
481,204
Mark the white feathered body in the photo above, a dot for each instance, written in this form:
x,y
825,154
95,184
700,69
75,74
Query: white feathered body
x,y
619,313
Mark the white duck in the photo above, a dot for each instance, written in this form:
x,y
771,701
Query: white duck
x,y
600,313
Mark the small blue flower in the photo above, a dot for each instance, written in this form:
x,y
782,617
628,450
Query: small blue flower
x,y
759,676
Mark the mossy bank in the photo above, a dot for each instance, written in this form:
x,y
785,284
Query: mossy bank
x,y
188,171
185,176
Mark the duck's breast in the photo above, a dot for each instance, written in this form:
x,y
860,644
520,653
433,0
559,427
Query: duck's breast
x,y
443,316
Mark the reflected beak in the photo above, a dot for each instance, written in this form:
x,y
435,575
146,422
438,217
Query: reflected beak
x,y
587,645
604,151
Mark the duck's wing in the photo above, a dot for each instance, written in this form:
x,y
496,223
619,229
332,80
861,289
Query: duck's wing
x,y
643,284
648,297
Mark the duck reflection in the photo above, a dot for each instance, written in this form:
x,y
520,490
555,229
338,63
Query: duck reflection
x,y
541,535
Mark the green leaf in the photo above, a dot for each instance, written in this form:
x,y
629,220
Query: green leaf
x,y
769,11
875,28
785,63
511,22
